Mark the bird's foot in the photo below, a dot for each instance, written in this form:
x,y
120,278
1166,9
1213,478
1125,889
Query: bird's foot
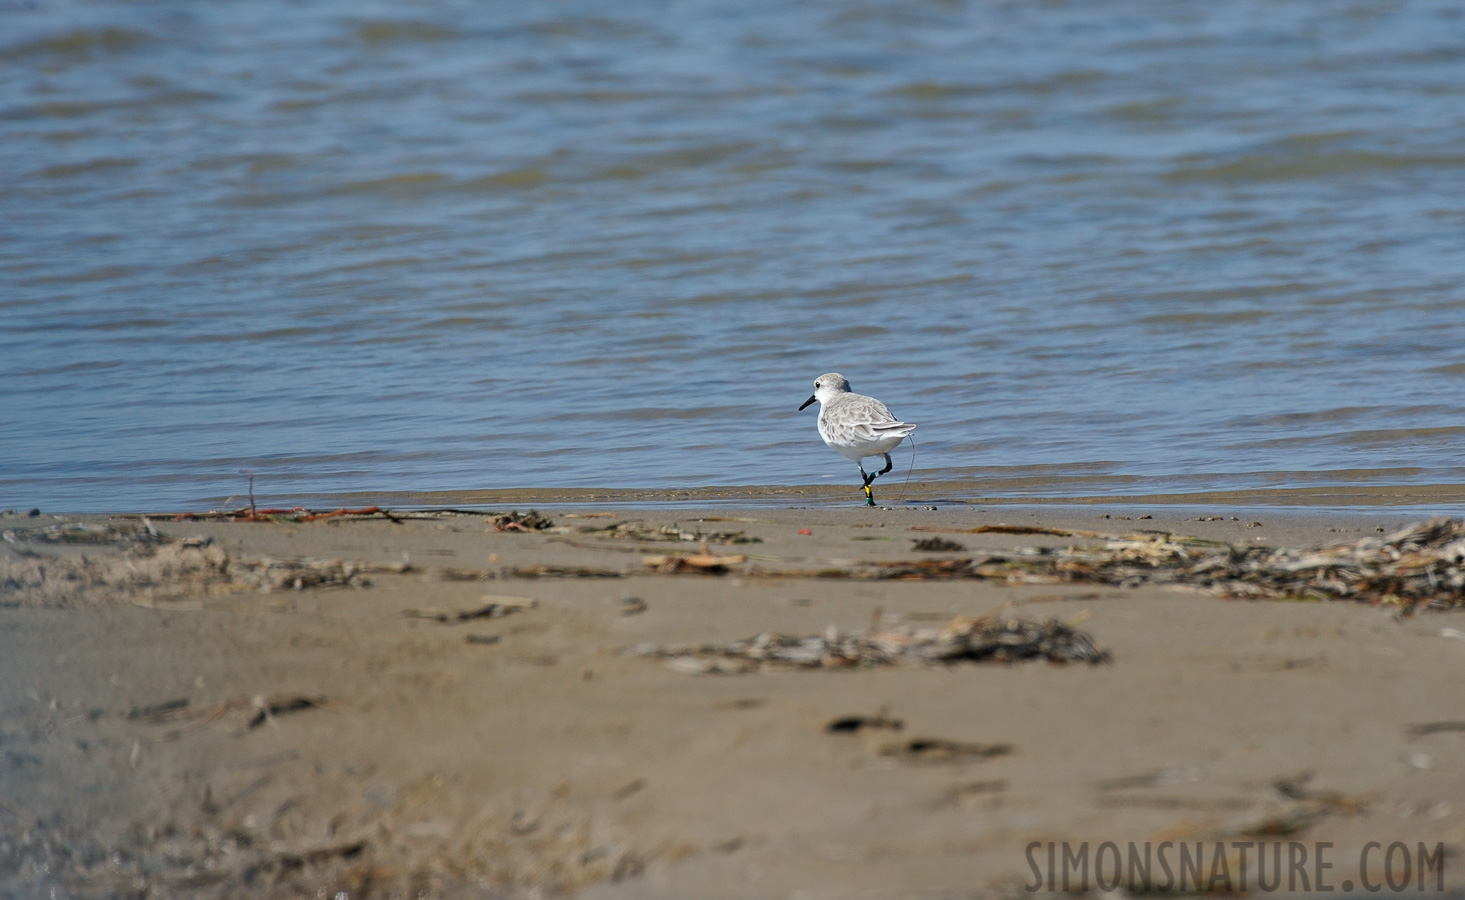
x,y
869,494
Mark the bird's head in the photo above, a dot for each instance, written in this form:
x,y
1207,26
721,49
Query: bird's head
x,y
826,386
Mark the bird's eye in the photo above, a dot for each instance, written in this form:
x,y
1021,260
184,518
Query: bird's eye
x,y
816,385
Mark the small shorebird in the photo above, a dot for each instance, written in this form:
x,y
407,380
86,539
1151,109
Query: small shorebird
x,y
856,426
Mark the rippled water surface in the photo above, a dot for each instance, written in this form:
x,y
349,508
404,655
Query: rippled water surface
x,y
361,246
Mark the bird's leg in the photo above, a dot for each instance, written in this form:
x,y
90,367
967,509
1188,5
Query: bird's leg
x,y
888,466
871,476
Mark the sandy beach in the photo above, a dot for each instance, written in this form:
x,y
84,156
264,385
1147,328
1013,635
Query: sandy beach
x,y
425,705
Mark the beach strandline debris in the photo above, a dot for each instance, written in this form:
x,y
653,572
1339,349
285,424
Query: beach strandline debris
x,y
490,607
155,571
548,571
1013,529
522,522
937,545
267,575
639,531
633,606
292,514
267,707
339,513
1436,728
1305,807
705,562
943,750
1421,566
251,712
963,639
460,573
82,533
852,724
296,859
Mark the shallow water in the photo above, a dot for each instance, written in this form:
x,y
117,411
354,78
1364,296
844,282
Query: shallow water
x,y
360,247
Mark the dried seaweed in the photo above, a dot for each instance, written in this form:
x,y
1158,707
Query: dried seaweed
x,y
1436,728
848,724
937,545
248,713
267,575
548,571
82,533
851,724
266,708
489,607
252,513
943,750
640,531
964,638
704,562
317,855
517,521
1421,566
160,570
1305,807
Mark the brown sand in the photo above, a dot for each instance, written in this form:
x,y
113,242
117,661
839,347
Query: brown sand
x,y
525,755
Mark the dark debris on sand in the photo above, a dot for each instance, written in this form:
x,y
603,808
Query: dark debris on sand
x,y
964,638
517,521
1419,567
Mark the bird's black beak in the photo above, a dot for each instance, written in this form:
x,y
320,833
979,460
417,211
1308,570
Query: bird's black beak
x,y
807,402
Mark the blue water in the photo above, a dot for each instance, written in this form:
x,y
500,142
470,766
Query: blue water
x,y
361,247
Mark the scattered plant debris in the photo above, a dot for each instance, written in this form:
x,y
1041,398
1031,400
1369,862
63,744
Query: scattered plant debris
x,y
1028,529
82,533
964,638
458,573
293,514
640,531
489,608
937,545
317,855
851,724
704,562
1436,728
1156,778
628,789
993,786
266,708
159,712
338,513
941,750
553,572
524,522
267,575
632,606
154,570
1305,807
1421,566
249,712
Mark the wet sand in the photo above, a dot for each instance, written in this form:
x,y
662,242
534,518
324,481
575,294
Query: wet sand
x,y
1312,501
239,743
